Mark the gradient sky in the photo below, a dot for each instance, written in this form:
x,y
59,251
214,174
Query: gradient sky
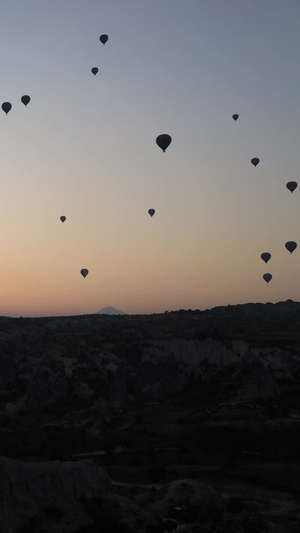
x,y
85,148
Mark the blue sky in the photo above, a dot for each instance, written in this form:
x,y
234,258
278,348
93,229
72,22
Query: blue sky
x,y
85,148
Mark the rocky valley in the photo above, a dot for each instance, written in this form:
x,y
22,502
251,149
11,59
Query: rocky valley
x,y
181,421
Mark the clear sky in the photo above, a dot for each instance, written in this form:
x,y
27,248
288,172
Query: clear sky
x,y
84,147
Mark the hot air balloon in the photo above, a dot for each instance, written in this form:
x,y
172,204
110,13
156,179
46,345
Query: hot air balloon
x,y
292,185
235,116
63,218
94,70
103,38
25,99
84,272
267,277
151,212
266,257
255,161
291,246
163,141
6,106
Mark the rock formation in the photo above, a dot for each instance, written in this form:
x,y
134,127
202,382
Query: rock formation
x,y
142,393
52,495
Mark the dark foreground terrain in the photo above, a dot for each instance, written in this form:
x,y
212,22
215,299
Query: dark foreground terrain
x,y
184,421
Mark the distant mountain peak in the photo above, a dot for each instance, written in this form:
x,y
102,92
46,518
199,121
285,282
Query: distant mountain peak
x,y
110,311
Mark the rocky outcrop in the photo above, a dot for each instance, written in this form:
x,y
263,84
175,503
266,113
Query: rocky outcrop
x,y
192,499
65,496
255,380
49,384
162,368
51,495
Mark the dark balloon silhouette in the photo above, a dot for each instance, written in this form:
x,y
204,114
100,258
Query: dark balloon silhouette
x,y
63,218
255,161
84,272
6,106
94,70
291,246
235,116
266,257
163,141
151,212
103,38
25,99
267,277
292,185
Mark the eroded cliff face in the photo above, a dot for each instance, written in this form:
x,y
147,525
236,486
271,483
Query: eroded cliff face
x,y
118,359
70,497
45,493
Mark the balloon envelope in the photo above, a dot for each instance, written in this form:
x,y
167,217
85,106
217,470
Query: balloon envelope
x,y
6,106
84,272
103,38
25,99
255,161
235,116
163,141
292,185
266,256
94,70
63,218
151,212
291,246
267,277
